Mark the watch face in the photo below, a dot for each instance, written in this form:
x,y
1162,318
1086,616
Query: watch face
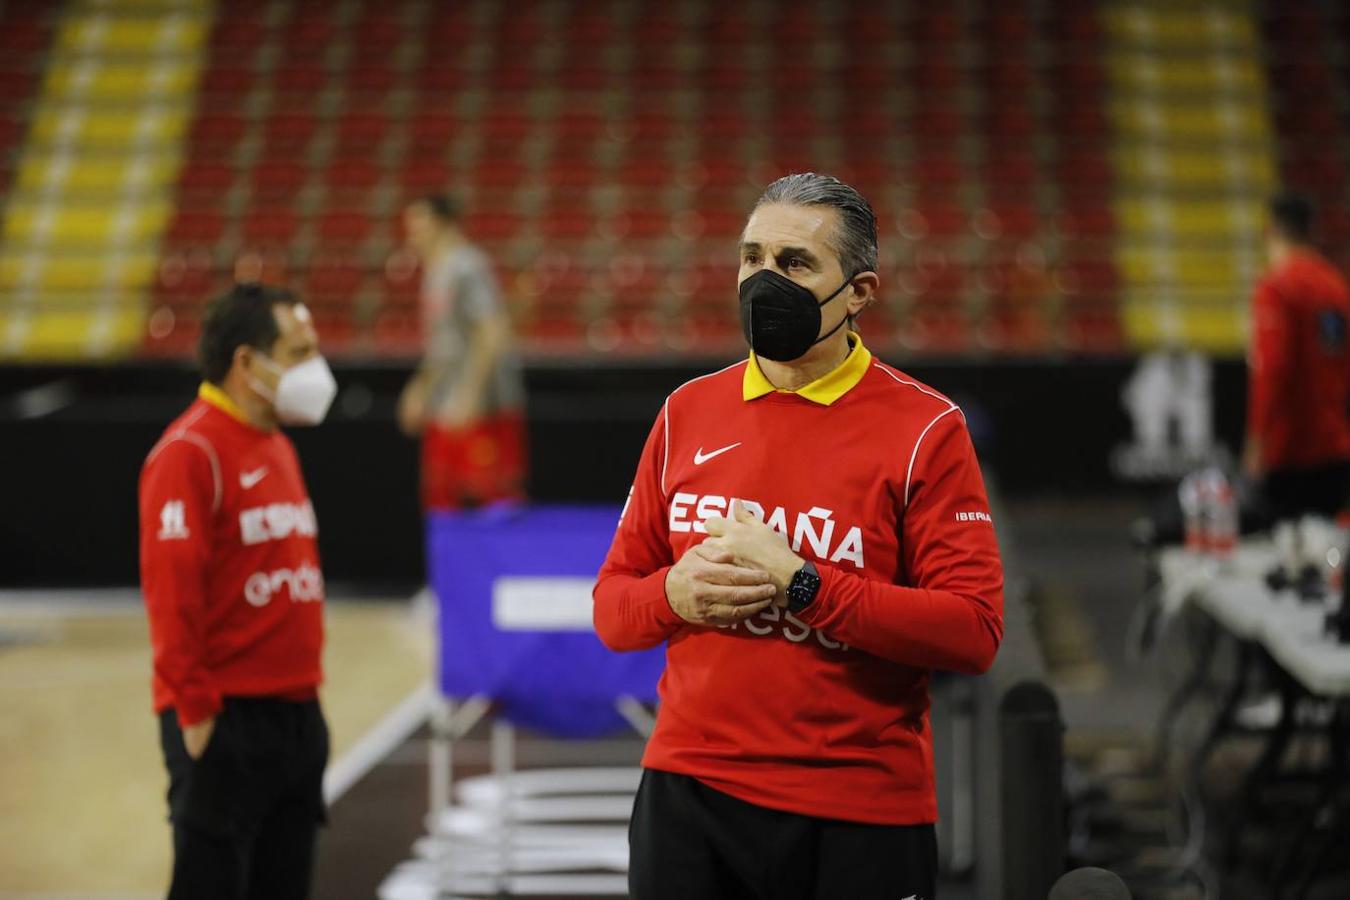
x,y
802,589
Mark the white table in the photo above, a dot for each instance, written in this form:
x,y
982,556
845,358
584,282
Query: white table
x,y
1235,595
1276,631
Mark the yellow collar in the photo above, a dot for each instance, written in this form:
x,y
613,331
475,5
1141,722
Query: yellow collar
x,y
826,389
221,401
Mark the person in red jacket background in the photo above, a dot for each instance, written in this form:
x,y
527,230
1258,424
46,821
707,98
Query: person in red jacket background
x,y
1298,405
234,595
808,535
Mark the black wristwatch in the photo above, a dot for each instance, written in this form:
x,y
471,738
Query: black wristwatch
x,y
803,587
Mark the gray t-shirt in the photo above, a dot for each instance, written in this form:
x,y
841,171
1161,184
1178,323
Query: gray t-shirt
x,y
459,290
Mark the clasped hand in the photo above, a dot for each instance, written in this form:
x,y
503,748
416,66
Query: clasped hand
x,y
742,568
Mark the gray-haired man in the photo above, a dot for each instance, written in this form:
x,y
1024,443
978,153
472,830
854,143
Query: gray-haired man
x,y
808,535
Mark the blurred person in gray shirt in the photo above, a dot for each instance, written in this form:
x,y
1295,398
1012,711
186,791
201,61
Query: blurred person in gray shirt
x,y
466,398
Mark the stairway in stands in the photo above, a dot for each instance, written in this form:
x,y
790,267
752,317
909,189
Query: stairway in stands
x,y
88,199
1194,163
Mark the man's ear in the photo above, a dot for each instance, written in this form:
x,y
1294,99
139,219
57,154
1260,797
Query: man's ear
x,y
865,286
243,356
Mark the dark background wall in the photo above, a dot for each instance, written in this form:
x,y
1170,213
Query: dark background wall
x,y
72,440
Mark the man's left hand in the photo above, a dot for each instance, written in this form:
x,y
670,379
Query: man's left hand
x,y
754,545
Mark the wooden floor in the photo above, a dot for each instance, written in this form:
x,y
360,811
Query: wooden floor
x,y
82,811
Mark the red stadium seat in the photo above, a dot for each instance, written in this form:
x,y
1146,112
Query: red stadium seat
x,y
380,34
451,26
583,75
19,35
195,227
424,177
1093,327
723,75
726,27
360,136
645,172
397,331
278,182
309,31
492,225
498,173
233,36
1087,222
566,173
655,74
334,278
215,136
371,78
655,28
204,183
430,134
504,132
640,223
270,226
287,136
440,78
299,77
567,224
343,226
513,77
866,76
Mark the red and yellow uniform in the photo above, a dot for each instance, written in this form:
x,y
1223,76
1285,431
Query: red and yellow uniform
x,y
1298,401
870,475
229,563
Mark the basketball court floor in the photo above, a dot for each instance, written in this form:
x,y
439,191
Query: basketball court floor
x,y
82,811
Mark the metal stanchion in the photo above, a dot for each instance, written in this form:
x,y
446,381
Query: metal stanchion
x,y
1031,746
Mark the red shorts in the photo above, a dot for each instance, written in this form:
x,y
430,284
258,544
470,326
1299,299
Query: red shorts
x,y
480,463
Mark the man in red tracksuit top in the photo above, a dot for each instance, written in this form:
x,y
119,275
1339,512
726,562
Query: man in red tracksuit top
x,y
232,585
1298,402
809,536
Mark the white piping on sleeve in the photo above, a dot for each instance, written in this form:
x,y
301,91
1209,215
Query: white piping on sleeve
x,y
665,445
920,388
910,472
205,446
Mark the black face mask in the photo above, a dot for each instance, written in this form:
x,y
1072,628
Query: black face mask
x,y
780,318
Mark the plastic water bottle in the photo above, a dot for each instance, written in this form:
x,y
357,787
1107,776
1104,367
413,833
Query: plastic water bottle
x,y
1222,519
1192,512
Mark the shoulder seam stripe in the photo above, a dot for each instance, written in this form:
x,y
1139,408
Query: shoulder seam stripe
x,y
919,388
909,473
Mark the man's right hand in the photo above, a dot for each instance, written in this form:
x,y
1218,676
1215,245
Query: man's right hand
x,y
706,587
196,737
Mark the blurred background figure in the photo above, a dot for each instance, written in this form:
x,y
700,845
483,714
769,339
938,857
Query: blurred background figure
x,y
1298,419
466,398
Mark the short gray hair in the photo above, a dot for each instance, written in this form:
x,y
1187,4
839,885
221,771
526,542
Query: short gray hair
x,y
855,240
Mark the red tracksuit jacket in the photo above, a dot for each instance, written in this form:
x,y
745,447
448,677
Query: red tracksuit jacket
x,y
873,477
229,563
1298,399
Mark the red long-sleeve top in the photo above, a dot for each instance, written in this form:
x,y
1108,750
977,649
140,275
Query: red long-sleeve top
x,y
872,476
229,564
1298,398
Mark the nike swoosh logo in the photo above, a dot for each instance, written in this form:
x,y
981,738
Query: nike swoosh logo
x,y
249,479
700,457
